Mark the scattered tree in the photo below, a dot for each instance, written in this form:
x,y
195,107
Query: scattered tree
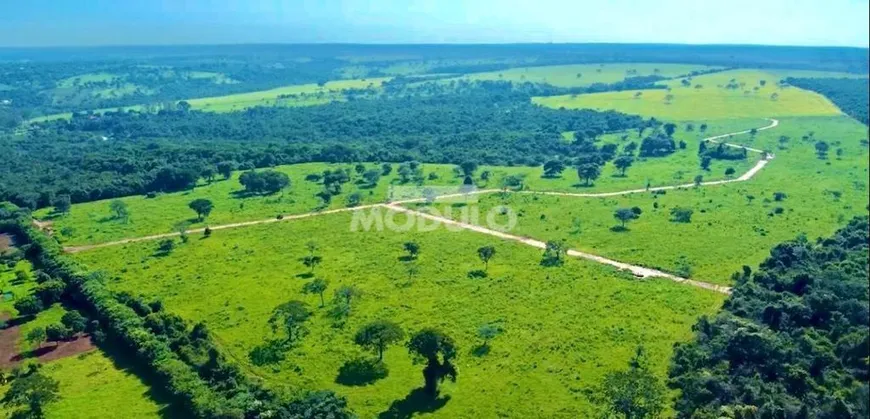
x,y
317,286
624,215
290,316
681,214
635,393
120,209
553,168
486,253
202,207
699,180
413,249
439,351
623,163
588,172
554,253
378,335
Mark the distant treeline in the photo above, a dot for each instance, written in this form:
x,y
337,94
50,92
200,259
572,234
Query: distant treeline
x,y
851,95
29,77
116,154
791,342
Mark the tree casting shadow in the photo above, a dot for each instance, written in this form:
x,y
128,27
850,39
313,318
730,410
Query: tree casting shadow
x,y
417,401
360,372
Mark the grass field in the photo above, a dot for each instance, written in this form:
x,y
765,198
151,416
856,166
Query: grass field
x,y
86,78
92,222
564,328
579,75
712,101
728,229
16,288
92,385
305,94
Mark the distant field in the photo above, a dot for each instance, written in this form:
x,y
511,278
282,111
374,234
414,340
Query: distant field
x,y
564,328
92,222
85,78
584,74
711,101
305,94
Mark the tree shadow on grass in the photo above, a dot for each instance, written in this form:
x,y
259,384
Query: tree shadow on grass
x,y
417,401
360,372
480,350
123,361
305,275
406,258
619,229
582,185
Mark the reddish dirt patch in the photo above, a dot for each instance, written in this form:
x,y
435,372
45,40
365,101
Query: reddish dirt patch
x,y
10,357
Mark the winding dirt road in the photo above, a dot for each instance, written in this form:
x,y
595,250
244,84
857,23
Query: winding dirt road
x,y
637,270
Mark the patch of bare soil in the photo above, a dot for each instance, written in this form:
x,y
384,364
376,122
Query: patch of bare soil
x,y
11,357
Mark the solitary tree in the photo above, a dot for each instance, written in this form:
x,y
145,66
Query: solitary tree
x,y
623,163
698,180
378,335
439,351
346,293
730,171
554,252
670,129
311,262
317,286
202,207
413,249
681,215
624,215
34,391
588,172
290,316
372,177
120,209
486,253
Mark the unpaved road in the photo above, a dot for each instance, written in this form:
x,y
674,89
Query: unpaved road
x,y
396,206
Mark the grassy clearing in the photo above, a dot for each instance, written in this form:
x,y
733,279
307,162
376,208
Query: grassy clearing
x,y
92,385
564,328
727,229
10,284
712,101
87,78
303,95
93,222
584,74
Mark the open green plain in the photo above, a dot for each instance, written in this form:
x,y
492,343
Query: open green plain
x,y
563,328
713,100
93,222
579,75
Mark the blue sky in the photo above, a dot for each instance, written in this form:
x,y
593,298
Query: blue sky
x,y
112,22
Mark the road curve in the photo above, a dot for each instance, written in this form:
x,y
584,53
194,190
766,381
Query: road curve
x,y
395,206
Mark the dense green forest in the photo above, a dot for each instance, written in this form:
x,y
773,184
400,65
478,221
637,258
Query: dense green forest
x,y
792,340
851,95
116,154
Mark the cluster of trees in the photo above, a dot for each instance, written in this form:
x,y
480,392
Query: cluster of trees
x,y
720,151
850,95
791,341
264,182
183,359
119,154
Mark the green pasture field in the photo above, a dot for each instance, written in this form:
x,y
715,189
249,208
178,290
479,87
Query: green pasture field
x,y
564,327
711,101
309,94
728,229
93,222
92,385
567,75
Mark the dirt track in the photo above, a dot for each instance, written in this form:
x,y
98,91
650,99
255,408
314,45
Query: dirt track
x,y
396,206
